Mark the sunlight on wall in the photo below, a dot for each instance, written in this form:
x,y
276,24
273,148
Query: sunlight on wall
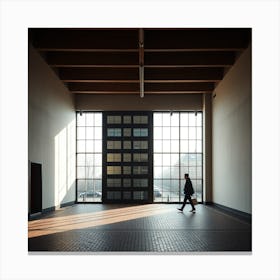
x,y
64,163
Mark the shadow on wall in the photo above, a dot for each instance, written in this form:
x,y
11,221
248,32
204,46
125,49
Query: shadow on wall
x,y
65,164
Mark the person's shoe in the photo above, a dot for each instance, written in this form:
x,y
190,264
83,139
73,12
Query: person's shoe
x,y
193,210
180,209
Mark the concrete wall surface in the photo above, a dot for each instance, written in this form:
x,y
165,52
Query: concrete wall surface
x,y
51,131
232,133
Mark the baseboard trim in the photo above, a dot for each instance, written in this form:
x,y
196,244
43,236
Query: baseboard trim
x,y
231,211
70,203
48,210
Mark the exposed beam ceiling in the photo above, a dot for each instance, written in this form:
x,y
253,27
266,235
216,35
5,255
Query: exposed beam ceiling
x,y
106,61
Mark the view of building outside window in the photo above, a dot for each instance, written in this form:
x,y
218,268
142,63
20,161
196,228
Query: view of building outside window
x,y
177,150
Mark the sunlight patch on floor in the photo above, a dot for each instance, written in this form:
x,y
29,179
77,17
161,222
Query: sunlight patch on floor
x,y
87,220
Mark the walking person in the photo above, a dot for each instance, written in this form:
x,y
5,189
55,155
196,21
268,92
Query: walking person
x,y
188,191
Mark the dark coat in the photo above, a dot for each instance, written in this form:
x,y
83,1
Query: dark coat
x,y
188,189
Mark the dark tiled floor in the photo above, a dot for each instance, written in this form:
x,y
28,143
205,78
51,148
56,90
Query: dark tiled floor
x,y
143,228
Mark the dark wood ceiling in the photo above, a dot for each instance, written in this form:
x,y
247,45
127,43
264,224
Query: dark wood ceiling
x,y
106,61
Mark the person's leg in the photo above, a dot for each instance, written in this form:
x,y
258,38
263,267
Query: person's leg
x,y
190,200
184,204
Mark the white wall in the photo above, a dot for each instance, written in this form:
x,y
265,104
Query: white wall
x,y
51,131
135,103
232,132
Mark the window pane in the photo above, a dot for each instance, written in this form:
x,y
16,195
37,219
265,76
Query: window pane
x,y
140,119
166,159
127,183
192,134
89,159
140,157
184,159
114,132
81,119
114,170
166,146
126,157
98,119
175,146
192,119
114,158
113,195
89,172
140,170
199,133
111,145
166,119
140,195
184,146
89,119
174,172
199,119
199,159
192,146
157,132
98,132
175,119
184,133
113,182
89,146
184,121
127,195
127,132
157,159
158,172
140,183
89,133
157,119
81,159
98,159
175,160
157,146
81,146
127,145
126,119
166,133
140,145
114,119
127,170
81,133
81,172
198,146
174,132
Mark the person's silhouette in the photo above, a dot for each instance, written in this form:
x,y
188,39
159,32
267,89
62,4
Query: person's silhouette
x,y
188,191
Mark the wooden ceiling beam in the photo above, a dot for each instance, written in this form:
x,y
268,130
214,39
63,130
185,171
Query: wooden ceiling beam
x,y
102,58
130,60
184,73
98,74
151,74
130,87
137,92
190,58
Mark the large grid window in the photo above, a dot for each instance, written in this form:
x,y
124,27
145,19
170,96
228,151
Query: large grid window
x,y
89,157
177,150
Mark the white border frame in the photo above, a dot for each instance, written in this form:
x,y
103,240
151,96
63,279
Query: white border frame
x,y
17,16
